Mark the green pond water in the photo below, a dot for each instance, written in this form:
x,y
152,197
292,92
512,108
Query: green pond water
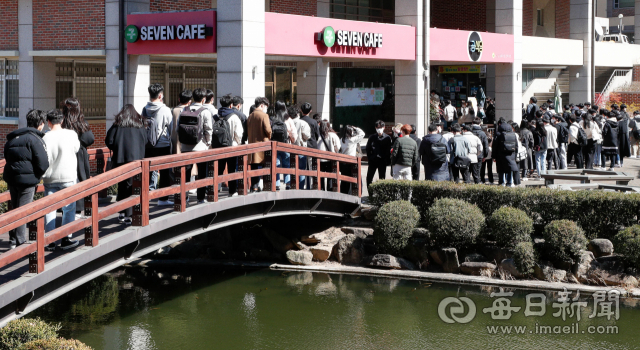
x,y
214,308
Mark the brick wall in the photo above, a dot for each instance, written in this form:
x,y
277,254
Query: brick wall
x,y
459,14
562,19
527,18
631,99
177,5
68,25
627,11
99,130
5,129
636,73
9,24
295,7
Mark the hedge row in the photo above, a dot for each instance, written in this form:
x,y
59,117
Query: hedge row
x,y
600,214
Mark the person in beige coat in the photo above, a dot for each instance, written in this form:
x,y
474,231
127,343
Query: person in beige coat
x,y
259,130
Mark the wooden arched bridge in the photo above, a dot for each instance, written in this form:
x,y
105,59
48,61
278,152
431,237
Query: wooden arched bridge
x,y
31,276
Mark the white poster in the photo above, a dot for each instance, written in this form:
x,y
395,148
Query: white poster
x,y
359,97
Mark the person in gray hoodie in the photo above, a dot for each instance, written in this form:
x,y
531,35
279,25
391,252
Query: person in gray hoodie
x,y
157,110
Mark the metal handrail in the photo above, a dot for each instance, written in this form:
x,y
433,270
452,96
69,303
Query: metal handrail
x,y
616,73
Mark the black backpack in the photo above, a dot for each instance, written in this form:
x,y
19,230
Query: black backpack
x,y
190,126
510,142
279,131
152,130
563,134
437,152
221,136
582,137
634,131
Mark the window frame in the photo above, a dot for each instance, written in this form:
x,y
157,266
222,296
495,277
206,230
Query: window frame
x,y
76,79
5,77
616,5
540,17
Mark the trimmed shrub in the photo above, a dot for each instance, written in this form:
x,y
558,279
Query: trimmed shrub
x,y
24,330
510,226
55,344
394,226
627,243
564,240
454,223
524,257
601,214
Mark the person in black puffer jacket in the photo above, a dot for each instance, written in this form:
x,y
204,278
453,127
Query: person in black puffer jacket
x,y
26,156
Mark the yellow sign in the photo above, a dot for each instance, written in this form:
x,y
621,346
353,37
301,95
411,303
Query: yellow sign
x,y
460,69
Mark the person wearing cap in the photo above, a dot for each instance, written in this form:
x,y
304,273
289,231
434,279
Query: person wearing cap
x,y
552,143
532,108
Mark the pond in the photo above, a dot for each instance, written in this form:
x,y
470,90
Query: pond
x,y
216,308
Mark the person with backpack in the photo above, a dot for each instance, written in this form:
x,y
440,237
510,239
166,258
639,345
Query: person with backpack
x,y
562,129
459,155
434,149
303,131
237,106
404,155
552,142
328,141
26,162
185,100
126,139
195,133
484,140
415,170
634,135
505,151
312,142
209,103
281,131
378,153
593,134
74,120
624,147
227,132
526,139
259,131
159,126
476,152
577,140
610,139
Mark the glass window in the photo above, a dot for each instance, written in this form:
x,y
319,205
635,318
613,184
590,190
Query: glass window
x,y
9,83
182,77
364,10
624,3
87,81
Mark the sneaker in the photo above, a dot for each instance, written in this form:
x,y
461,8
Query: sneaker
x,y
165,203
277,188
51,247
202,201
611,169
79,216
11,247
68,244
287,188
525,179
512,185
235,194
127,221
121,218
193,192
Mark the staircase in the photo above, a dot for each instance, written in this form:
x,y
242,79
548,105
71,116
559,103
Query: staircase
x,y
603,74
563,81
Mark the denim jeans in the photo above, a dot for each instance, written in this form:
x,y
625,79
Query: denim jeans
x,y
283,161
562,155
153,181
541,162
508,178
596,158
20,196
302,165
68,211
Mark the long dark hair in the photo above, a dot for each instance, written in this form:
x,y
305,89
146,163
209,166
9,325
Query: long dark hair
x,y
346,132
540,128
73,116
129,118
280,111
325,128
586,121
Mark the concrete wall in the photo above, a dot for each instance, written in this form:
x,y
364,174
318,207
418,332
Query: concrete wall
x,y
548,30
557,52
616,55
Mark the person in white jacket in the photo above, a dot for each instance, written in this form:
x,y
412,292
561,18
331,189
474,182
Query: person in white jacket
x,y
476,150
62,146
552,143
229,114
329,141
350,138
594,134
450,113
303,134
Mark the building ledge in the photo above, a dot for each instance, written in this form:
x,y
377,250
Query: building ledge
x,y
8,121
67,53
9,53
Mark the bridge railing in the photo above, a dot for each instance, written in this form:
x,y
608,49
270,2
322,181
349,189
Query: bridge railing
x,y
33,213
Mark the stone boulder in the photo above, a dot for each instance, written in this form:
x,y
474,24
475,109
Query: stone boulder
x,y
420,232
508,267
389,262
362,232
332,234
279,243
349,250
600,247
321,252
369,213
417,251
477,268
447,258
606,278
585,263
548,273
475,257
299,257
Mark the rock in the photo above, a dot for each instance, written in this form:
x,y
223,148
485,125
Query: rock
x,y
349,250
299,257
448,258
586,262
571,278
300,245
330,235
477,268
508,266
602,277
279,243
420,232
493,253
417,251
370,213
563,265
611,263
475,257
600,247
548,273
362,232
389,262
321,252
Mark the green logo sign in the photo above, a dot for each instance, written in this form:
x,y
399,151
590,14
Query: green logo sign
x,y
131,33
329,36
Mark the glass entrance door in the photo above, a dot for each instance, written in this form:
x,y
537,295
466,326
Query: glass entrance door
x,y
281,84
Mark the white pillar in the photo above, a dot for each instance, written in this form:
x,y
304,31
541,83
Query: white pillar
x,y
508,83
112,47
490,89
411,84
315,88
636,23
241,49
580,87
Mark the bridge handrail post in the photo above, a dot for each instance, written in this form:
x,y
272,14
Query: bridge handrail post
x,y
337,189
91,210
319,178
359,177
36,259
141,188
245,179
274,168
212,191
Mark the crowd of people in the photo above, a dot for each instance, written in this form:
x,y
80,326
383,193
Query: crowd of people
x,y
59,158
585,135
